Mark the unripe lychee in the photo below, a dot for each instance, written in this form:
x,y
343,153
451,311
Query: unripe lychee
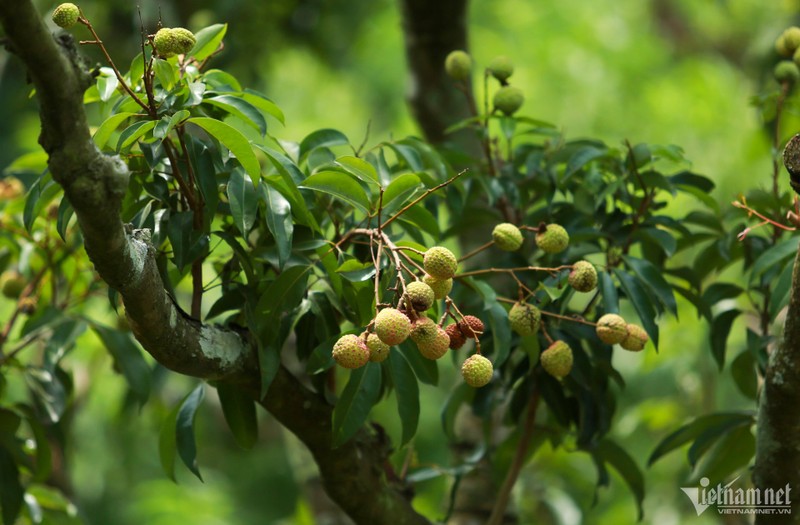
x,y
524,318
477,371
423,330
786,71
635,339
583,277
471,326
508,99
553,239
378,350
350,351
439,262
780,47
507,237
12,283
164,42
66,15
611,329
392,326
458,65
457,337
436,346
440,287
420,295
501,68
184,40
791,39
557,359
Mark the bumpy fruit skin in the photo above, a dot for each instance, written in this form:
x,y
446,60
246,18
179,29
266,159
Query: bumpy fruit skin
x,y
611,329
501,68
524,318
12,284
392,326
780,47
508,99
423,330
164,42
471,326
378,350
458,65
786,71
440,287
583,277
507,237
420,295
435,347
635,339
791,40
557,359
477,371
350,351
554,239
457,337
184,40
439,262
66,15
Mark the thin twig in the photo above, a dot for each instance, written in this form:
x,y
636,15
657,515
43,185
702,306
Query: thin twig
x,y
421,197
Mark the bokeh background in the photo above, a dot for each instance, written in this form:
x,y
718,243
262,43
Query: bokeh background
x,y
660,71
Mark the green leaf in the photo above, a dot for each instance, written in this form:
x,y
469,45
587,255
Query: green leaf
x,y
129,359
773,256
341,186
720,329
278,214
407,393
65,213
733,451
609,292
651,276
357,399
611,453
166,73
242,109
241,255
263,103
323,138
12,491
501,334
105,130
641,302
184,430
400,189
107,83
133,133
581,158
187,243
710,436
360,168
240,413
244,205
207,41
168,123
780,291
693,429
234,140
462,394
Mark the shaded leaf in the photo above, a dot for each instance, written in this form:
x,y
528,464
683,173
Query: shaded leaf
x,y
128,358
341,186
242,197
240,413
693,429
720,328
407,394
184,430
278,213
358,397
323,138
234,140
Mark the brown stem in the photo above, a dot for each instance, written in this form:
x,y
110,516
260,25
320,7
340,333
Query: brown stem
x,y
421,197
476,251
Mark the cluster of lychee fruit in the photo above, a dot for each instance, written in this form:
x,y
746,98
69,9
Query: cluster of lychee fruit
x,y
508,99
788,46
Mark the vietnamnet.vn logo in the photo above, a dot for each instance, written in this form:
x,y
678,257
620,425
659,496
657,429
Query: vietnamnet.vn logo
x,y
730,500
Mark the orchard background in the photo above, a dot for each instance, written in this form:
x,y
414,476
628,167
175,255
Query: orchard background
x,y
682,91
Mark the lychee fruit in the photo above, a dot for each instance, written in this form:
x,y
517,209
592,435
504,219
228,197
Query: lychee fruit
x,y
791,39
12,283
173,41
440,287
66,15
635,339
458,65
611,329
557,359
477,371
524,318
434,347
552,238
507,237
508,99
423,330
392,326
439,262
457,337
583,277
184,40
471,326
501,68
786,71
350,351
378,350
420,295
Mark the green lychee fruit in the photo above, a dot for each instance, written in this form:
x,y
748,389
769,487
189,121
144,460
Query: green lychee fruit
x,y
583,277
439,262
611,329
350,351
12,283
501,68
164,42
378,350
507,237
471,326
440,287
435,347
66,15
557,359
458,65
508,99
423,330
786,71
420,295
791,39
524,318
184,40
780,47
457,337
635,339
392,326
477,371
553,238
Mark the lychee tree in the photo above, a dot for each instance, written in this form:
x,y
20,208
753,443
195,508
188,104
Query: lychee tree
x,y
228,250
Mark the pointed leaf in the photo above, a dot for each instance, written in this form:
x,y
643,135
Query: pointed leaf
x,y
340,186
278,213
720,329
242,109
358,398
184,430
103,133
323,138
407,393
240,413
641,302
207,41
694,428
234,140
129,359
244,204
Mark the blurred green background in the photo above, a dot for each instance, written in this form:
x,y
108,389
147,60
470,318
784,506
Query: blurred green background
x,y
661,71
